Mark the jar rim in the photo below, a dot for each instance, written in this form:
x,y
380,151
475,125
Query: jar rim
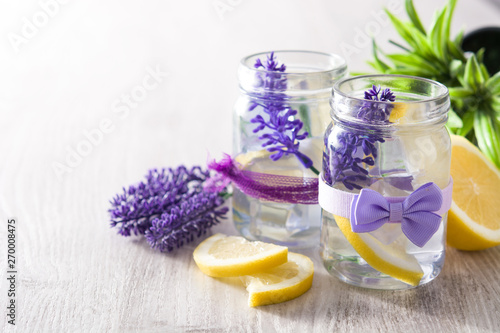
x,y
444,93
427,100
337,63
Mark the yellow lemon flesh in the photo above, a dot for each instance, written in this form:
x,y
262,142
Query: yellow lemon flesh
x,y
226,256
474,217
398,112
247,158
389,259
281,283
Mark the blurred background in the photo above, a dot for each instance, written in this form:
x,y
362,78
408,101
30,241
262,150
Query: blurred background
x,y
110,86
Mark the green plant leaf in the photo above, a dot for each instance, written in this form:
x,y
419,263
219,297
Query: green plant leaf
x,y
435,35
480,55
450,8
467,123
480,60
473,76
455,51
378,64
412,60
424,49
361,73
493,84
460,92
458,105
478,72
402,29
487,130
414,71
495,104
404,48
456,68
484,72
459,38
454,121
462,81
412,14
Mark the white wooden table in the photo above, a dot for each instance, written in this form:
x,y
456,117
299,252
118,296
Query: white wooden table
x,y
70,138
84,278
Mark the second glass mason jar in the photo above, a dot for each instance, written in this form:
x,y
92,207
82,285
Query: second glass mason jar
x,y
279,121
387,135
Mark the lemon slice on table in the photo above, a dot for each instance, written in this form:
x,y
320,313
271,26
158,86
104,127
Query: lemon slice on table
x,y
474,217
226,256
389,259
281,283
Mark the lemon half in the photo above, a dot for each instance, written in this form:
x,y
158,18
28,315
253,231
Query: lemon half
x,y
474,217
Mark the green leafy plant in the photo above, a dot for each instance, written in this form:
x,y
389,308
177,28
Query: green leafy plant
x,y
474,94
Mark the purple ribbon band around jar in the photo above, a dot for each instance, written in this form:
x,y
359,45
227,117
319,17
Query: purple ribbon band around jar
x,y
269,187
420,213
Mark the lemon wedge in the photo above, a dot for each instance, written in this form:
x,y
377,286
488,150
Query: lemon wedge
x,y
474,217
389,259
226,256
281,283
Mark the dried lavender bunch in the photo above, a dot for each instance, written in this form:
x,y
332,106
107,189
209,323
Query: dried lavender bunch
x,y
346,167
134,209
170,207
285,135
192,217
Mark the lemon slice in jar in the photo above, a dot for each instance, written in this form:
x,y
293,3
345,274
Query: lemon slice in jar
x,y
246,158
389,259
398,113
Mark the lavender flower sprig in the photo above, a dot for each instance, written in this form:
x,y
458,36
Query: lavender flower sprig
x,y
134,209
377,111
345,165
192,217
170,208
285,131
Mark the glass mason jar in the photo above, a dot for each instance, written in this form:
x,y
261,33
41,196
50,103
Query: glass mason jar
x,y
377,239
279,121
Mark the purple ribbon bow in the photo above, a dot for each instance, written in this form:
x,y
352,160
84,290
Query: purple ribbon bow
x,y
370,210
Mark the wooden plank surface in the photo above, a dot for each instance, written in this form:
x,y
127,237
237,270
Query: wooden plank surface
x,y
77,275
